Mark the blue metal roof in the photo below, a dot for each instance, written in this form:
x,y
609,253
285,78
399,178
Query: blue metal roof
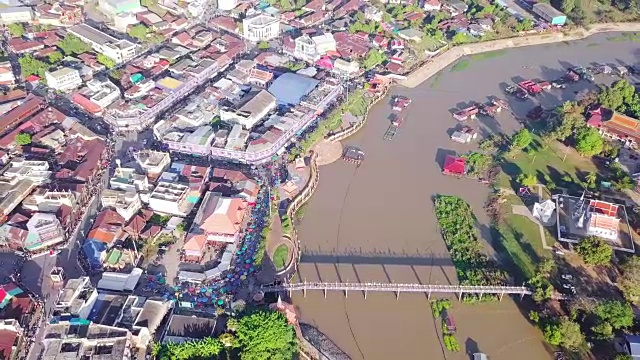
x,y
93,249
290,88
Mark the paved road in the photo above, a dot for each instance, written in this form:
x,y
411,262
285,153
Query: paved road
x,y
35,272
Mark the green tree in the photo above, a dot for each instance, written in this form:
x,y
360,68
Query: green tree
x,y
603,331
32,66
572,337
228,340
588,141
286,5
621,96
569,117
567,6
16,30
72,45
461,38
373,59
527,180
232,324
477,163
55,57
590,180
108,62
622,357
521,139
139,32
618,314
266,335
524,25
552,334
594,251
23,139
300,3
263,45
629,281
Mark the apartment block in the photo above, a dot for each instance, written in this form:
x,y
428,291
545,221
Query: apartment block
x,y
63,79
118,50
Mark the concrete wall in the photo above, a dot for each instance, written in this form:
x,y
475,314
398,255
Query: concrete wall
x,y
443,60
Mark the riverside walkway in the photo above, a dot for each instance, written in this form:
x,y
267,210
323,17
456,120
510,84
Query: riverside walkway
x,y
400,288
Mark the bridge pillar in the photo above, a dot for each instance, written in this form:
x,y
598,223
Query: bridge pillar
x,y
346,293
501,295
397,294
325,293
460,296
365,294
304,292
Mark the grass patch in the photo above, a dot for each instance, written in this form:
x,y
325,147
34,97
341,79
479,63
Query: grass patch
x,y
280,256
592,44
436,80
488,55
461,65
633,37
547,161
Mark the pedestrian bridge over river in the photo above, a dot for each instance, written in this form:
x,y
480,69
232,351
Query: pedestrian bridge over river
x,y
428,289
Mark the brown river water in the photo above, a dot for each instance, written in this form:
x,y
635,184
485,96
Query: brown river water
x,y
376,223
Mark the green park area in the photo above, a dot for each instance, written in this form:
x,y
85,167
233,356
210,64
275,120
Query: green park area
x,y
280,256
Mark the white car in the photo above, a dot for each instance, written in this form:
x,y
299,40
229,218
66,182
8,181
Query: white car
x,y
567,277
54,252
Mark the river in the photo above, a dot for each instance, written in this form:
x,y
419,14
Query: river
x,y
376,223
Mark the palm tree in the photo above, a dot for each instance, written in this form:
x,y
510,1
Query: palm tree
x,y
591,180
232,324
228,340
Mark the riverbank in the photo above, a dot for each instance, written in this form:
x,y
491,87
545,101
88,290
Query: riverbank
x,y
376,223
446,58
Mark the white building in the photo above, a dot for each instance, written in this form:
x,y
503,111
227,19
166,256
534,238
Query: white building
x,y
251,112
324,43
118,50
77,298
127,204
227,5
44,230
36,171
152,162
305,49
261,28
63,79
18,14
98,94
114,7
6,74
170,198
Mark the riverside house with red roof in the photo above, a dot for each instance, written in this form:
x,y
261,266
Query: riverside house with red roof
x,y
615,126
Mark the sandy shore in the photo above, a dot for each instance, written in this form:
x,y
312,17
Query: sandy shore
x,y
376,223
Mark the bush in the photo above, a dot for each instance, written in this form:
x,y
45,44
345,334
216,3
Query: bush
x,y
594,251
438,306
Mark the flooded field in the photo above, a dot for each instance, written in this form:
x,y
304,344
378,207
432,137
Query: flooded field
x,y
376,223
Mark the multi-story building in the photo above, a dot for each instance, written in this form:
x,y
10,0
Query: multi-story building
x,y
261,28
77,298
114,7
128,180
127,204
152,162
87,340
17,14
118,50
63,79
45,230
254,110
6,74
219,219
98,94
36,171
170,198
